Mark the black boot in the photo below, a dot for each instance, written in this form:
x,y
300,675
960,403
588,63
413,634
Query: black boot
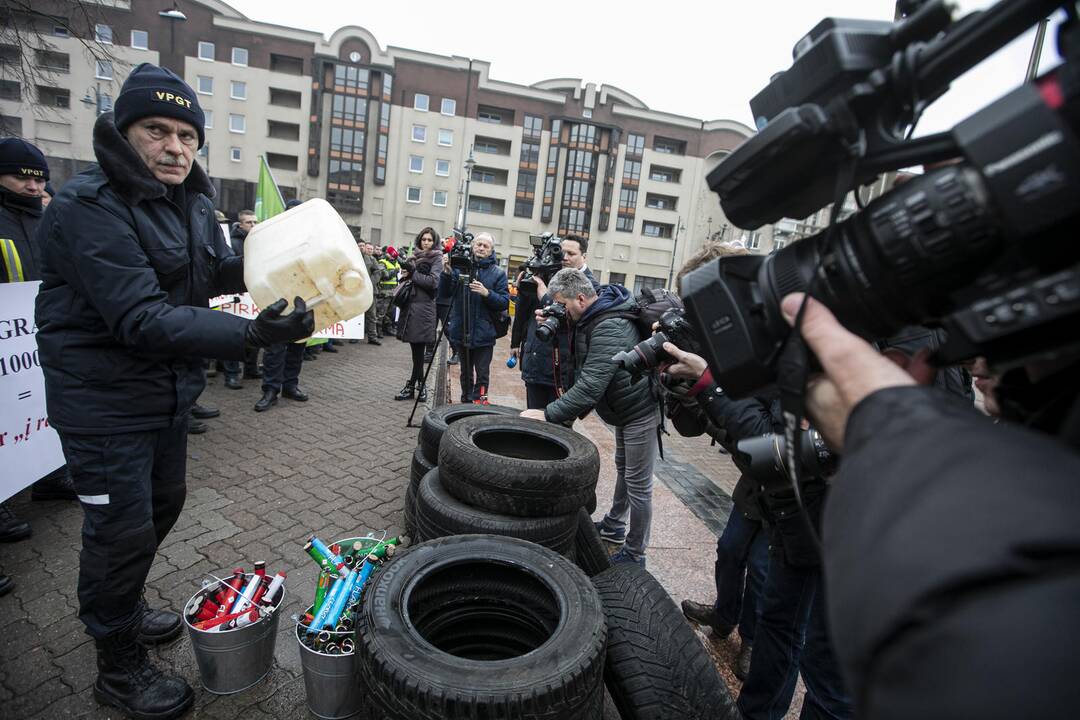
x,y
129,681
407,392
421,392
12,527
202,412
157,626
56,485
268,400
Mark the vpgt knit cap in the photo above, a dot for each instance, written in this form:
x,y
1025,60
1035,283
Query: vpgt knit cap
x,y
152,90
18,157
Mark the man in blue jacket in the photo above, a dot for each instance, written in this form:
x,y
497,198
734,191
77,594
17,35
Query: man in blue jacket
x,y
130,255
489,295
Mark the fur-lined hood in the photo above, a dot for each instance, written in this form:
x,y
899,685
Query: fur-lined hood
x,y
127,173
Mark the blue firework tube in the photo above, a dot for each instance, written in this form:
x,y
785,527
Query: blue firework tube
x,y
365,571
341,589
331,619
336,560
249,592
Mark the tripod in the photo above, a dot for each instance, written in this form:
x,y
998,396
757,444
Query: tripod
x,y
461,285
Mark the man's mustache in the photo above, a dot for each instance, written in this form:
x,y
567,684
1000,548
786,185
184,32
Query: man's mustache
x,y
174,160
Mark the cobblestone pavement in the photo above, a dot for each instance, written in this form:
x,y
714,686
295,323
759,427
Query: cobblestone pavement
x,y
258,485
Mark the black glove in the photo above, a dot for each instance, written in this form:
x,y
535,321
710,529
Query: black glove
x,y
271,327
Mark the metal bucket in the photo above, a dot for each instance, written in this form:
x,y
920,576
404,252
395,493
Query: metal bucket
x,y
331,681
233,660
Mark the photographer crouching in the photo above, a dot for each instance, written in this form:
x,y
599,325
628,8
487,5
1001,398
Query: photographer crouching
x,y
472,280
599,332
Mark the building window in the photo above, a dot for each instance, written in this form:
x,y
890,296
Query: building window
x,y
635,145
421,102
205,85
668,146
631,171
449,106
240,56
643,282
344,140
206,50
492,146
586,113
483,175
660,202
204,151
625,223
349,108
446,137
616,278
486,206
106,102
103,34
533,126
103,69
48,96
350,76
412,194
438,199
779,243
208,119
664,174
419,134
416,164
140,39
61,31
442,168
237,123
234,154
238,90
523,208
489,115
655,229
530,154
11,90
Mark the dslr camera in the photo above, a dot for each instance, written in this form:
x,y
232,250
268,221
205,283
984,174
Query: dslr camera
x,y
461,255
545,262
983,246
644,357
767,459
553,315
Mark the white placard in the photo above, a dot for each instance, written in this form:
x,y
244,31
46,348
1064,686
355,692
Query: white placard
x,y
245,307
29,447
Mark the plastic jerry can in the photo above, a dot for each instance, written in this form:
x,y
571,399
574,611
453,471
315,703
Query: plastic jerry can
x,y
310,252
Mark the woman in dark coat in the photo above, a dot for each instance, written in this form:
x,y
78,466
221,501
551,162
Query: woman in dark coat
x,y
418,320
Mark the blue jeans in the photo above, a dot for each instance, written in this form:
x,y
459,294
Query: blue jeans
x,y
742,550
792,637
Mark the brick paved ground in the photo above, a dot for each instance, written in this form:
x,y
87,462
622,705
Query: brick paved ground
x,y
258,484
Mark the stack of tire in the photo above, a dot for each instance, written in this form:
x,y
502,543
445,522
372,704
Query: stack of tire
x,y
481,626
499,474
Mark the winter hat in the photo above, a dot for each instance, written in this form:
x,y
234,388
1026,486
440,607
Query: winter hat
x,y
392,251
18,157
152,90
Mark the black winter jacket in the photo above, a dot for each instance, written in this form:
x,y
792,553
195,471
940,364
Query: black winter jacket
x,y
127,268
237,236
19,219
598,382
497,300
418,322
537,357
952,561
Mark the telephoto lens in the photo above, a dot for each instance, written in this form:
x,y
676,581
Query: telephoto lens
x,y
767,458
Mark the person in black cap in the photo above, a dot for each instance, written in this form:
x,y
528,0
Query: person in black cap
x,y
281,367
130,255
24,175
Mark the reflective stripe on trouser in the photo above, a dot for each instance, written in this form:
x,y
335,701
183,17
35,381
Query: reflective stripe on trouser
x,y
12,263
132,490
635,455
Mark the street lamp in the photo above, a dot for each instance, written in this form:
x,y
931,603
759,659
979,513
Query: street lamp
x,y
101,101
470,163
679,227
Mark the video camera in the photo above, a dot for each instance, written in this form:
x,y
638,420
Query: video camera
x,y
546,260
553,315
461,254
983,248
649,353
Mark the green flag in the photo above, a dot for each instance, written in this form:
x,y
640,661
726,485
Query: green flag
x,y
268,201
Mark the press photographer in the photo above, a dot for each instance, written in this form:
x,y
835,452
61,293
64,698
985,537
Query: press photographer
x,y
538,356
479,293
951,566
600,329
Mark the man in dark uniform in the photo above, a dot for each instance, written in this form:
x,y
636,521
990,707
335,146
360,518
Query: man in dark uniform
x,y
130,255
24,175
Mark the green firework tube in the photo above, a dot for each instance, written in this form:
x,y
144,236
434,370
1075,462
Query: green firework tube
x,y
321,588
318,557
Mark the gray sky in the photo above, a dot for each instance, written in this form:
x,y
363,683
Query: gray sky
x,y
699,59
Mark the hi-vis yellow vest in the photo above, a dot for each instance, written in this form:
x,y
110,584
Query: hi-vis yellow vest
x,y
9,254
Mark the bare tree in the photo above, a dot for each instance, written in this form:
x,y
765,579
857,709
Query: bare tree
x,y
29,54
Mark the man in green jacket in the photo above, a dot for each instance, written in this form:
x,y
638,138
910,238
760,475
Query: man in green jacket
x,y
600,330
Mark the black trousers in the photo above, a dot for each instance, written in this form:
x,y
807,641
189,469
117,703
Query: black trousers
x,y
539,396
417,361
132,489
281,366
477,374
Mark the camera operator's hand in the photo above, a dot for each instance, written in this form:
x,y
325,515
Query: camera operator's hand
x,y
688,366
541,287
478,287
533,414
515,353
271,327
853,369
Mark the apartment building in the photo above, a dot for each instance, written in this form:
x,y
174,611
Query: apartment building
x,y
388,135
